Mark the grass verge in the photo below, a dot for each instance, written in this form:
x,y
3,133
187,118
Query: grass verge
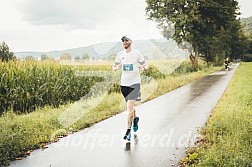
x,y
20,134
227,137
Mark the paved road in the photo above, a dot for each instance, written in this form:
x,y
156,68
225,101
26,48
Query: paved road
x,y
168,124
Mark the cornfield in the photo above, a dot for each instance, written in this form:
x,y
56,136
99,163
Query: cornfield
x,y
27,85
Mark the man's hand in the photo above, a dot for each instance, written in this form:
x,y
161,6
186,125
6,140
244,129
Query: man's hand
x,y
115,67
144,67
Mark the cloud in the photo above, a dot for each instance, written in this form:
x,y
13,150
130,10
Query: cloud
x,y
61,24
85,14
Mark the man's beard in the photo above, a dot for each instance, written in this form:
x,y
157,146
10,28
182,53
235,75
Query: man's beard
x,y
127,46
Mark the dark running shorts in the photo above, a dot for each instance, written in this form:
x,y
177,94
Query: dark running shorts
x,y
131,92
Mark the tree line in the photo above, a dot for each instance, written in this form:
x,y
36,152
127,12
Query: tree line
x,y
210,29
6,55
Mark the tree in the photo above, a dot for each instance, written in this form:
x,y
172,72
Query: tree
x,y
5,54
240,43
77,58
30,58
202,23
85,56
249,46
44,57
177,20
65,56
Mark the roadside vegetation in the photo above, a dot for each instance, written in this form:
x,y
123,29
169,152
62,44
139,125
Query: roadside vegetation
x,y
227,137
22,131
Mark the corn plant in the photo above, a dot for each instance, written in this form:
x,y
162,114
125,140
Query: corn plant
x,y
27,85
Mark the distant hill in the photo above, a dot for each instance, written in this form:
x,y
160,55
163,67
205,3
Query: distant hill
x,y
150,48
247,22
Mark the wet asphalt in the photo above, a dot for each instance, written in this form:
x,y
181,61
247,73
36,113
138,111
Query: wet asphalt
x,y
168,125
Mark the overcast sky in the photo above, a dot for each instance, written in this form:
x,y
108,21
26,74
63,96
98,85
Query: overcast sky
x,y
46,25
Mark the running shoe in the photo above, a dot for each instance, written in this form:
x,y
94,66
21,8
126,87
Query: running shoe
x,y
135,124
127,135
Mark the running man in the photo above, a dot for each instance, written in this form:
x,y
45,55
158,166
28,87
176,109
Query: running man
x,y
226,63
130,60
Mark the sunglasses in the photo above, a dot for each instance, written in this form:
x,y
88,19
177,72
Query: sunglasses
x,y
123,40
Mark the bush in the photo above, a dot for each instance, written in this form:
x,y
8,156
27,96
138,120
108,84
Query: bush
x,y
247,58
185,67
153,72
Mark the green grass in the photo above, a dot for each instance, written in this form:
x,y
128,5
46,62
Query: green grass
x,y
21,133
227,137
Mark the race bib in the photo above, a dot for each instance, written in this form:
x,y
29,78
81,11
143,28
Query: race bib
x,y
128,67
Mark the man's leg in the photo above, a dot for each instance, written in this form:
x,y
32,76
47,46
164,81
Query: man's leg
x,y
132,118
131,112
130,109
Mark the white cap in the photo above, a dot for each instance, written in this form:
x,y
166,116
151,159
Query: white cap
x,y
126,37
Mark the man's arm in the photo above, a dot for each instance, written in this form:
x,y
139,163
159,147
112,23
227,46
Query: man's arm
x,y
117,65
141,61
